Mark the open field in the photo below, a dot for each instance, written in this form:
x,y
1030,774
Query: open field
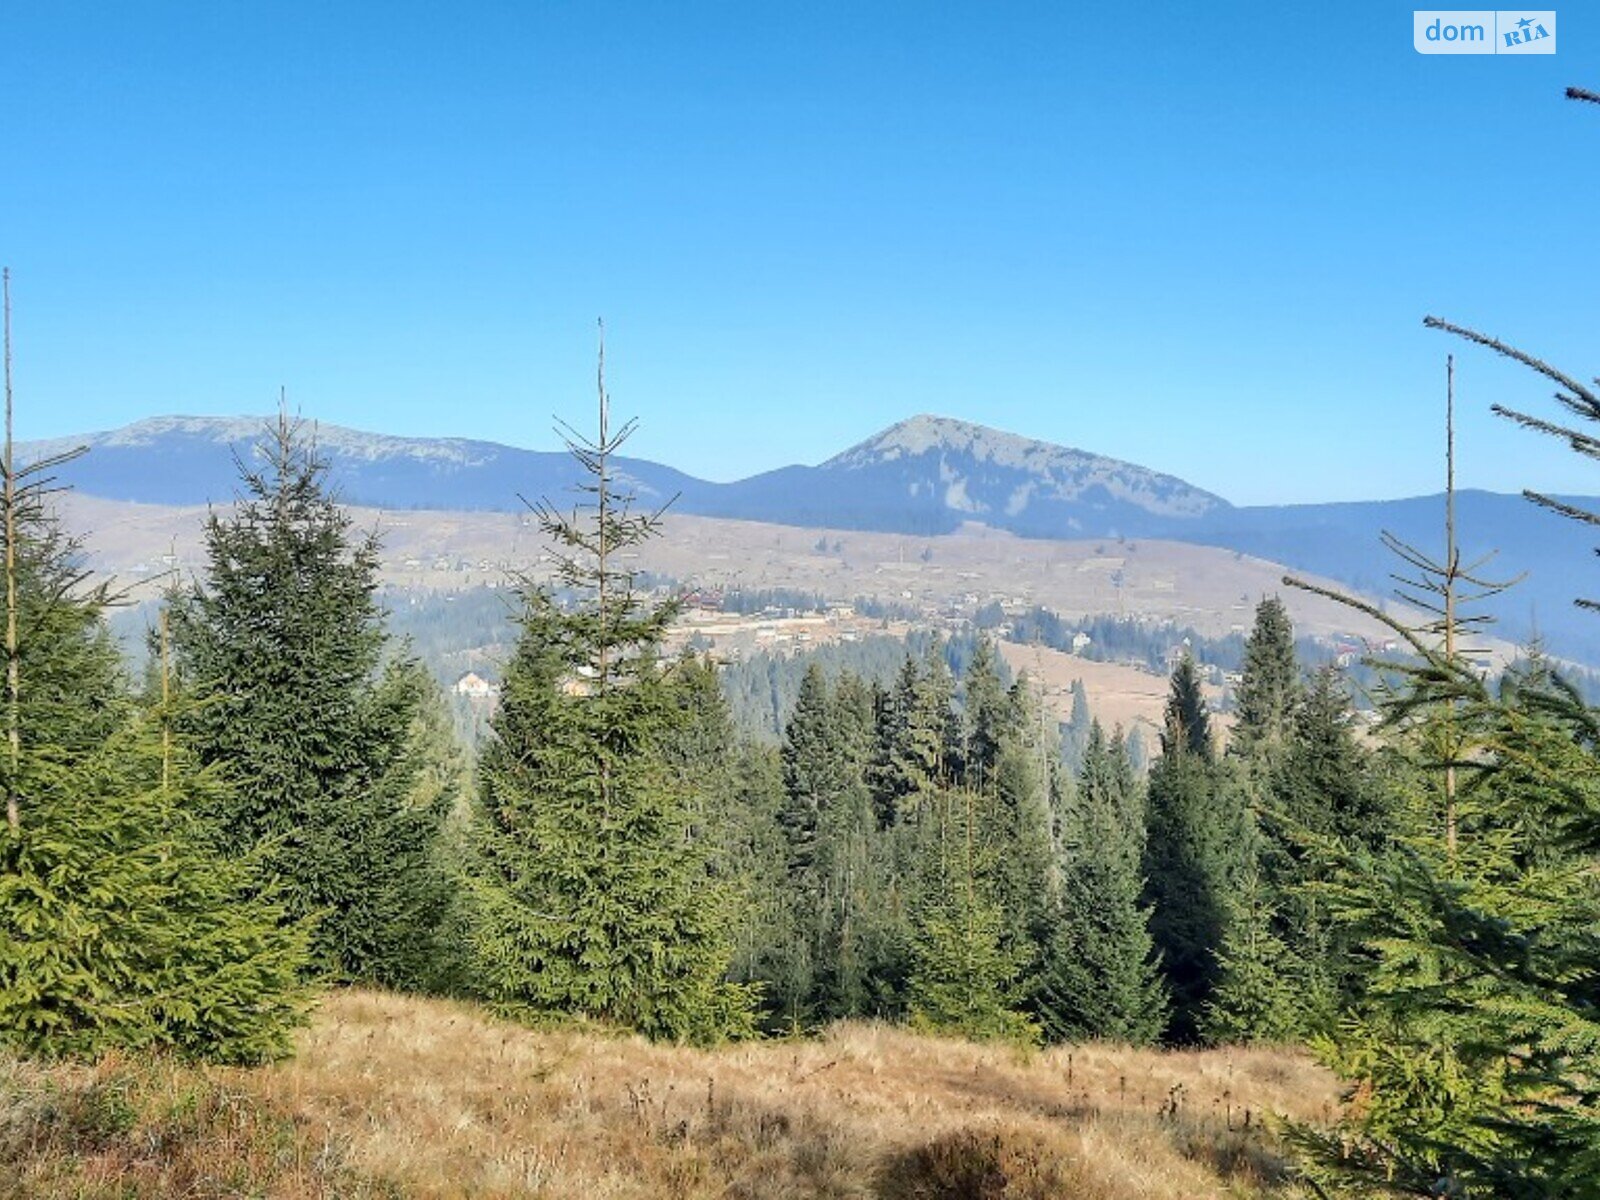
x,y
1118,694
393,1096
1214,591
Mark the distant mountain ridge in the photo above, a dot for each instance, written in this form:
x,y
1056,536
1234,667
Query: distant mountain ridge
x,y
922,476
1022,470
926,475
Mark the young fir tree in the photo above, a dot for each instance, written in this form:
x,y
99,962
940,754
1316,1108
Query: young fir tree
x,y
1099,977
124,928
964,979
1475,1048
1475,1044
1259,995
323,732
594,899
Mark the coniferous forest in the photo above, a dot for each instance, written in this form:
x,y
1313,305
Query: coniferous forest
x,y
277,810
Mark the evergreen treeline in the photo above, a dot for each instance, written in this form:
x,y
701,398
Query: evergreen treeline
x,y
1112,638
914,845
763,688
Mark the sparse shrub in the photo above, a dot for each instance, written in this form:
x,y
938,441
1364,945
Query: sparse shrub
x,y
976,1164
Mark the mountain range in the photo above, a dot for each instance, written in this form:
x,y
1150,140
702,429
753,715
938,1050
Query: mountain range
x,y
925,476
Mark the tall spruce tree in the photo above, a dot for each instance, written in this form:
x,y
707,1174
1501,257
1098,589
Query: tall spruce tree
x,y
1269,687
1200,838
914,750
1099,977
821,780
300,702
816,772
764,932
734,789
1324,787
1186,719
593,897
1018,793
986,714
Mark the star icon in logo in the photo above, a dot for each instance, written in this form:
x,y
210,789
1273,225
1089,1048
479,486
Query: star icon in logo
x,y
1524,23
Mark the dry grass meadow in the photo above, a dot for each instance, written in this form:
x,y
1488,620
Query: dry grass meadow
x,y
394,1096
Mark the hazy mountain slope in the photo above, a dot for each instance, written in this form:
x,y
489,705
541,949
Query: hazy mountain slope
x,y
926,475
929,474
190,460
1552,559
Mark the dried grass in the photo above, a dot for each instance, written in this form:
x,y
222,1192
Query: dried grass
x,y
392,1095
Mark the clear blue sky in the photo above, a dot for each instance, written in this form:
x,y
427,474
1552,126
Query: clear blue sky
x,y
1201,237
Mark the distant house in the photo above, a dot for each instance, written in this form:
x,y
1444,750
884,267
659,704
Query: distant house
x,y
475,687
580,682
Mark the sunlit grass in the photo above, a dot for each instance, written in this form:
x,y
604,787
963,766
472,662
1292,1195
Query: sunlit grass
x,y
391,1095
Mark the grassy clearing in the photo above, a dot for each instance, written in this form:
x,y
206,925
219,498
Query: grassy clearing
x,y
393,1096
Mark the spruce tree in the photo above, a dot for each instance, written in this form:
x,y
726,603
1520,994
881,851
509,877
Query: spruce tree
x,y
815,771
1075,733
846,900
914,751
986,714
1475,1042
1186,719
124,927
1475,1047
1027,881
765,936
1268,688
1324,786
1200,839
735,793
1259,995
964,978
822,785
593,897
297,698
1323,782
1099,977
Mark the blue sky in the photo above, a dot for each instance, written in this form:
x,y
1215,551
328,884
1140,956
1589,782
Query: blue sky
x,y
1201,237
